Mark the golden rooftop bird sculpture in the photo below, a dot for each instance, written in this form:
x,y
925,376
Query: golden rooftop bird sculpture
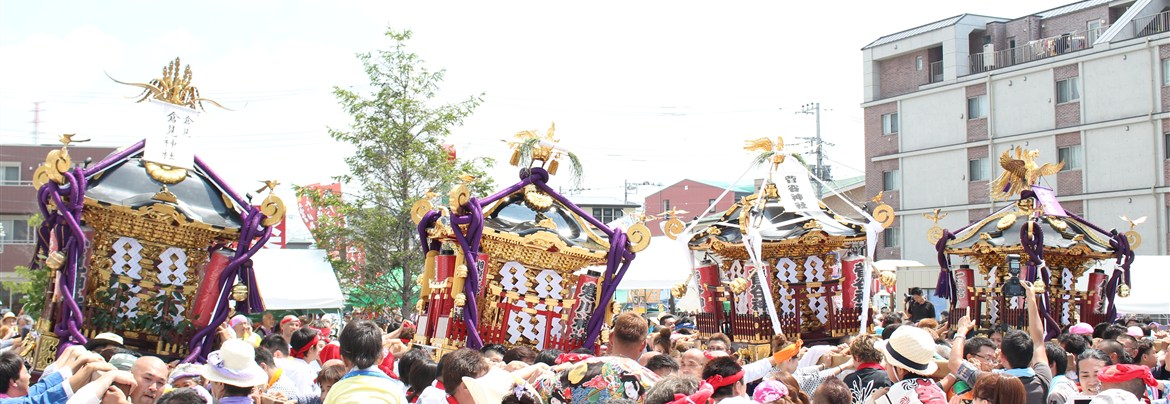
x,y
768,149
1020,173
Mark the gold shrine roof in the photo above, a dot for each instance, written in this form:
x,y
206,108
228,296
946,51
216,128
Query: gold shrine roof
x,y
1002,229
779,223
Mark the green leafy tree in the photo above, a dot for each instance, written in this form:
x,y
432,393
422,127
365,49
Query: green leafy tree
x,y
397,133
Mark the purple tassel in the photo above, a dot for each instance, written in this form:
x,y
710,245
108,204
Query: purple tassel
x,y
945,288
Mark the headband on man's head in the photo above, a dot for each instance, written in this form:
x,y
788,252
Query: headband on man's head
x,y
718,381
288,319
304,350
1125,373
788,352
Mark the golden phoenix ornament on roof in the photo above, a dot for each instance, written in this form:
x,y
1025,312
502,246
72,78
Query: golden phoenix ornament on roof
x,y
1020,172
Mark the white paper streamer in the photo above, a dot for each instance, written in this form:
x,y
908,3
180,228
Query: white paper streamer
x,y
755,245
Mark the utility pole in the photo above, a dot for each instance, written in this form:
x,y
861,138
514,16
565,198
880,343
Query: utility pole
x,y
633,186
36,122
820,171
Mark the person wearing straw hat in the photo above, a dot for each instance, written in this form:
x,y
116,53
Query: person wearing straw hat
x,y
233,372
105,344
909,356
9,324
361,350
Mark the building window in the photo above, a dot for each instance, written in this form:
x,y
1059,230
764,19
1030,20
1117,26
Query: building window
x,y
890,180
1067,90
16,230
977,169
890,124
977,107
666,205
1071,156
1166,145
1166,72
1094,31
710,202
9,173
918,63
890,237
608,215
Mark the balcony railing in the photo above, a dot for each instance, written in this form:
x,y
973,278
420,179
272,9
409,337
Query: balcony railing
x,y
1150,25
936,71
1034,50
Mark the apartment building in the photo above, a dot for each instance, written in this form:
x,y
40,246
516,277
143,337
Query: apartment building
x,y
18,200
1085,83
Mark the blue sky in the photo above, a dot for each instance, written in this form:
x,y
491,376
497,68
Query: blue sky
x,y
643,91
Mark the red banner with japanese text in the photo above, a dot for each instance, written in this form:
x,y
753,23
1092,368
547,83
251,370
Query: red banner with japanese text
x,y
311,214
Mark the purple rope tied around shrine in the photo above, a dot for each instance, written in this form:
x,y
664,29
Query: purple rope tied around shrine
x,y
619,258
116,158
239,266
946,285
426,221
1124,255
619,254
1033,243
469,243
71,240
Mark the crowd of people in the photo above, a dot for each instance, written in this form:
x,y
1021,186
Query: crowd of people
x,y
644,361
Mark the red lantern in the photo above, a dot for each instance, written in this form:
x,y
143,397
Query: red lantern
x,y
852,269
708,281
208,294
964,279
1097,292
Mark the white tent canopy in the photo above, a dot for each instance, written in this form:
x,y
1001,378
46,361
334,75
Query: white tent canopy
x,y
291,279
1149,274
661,265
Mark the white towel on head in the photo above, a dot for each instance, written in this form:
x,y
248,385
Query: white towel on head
x,y
813,356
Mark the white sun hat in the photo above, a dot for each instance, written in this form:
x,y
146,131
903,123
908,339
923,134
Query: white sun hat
x,y
910,348
235,364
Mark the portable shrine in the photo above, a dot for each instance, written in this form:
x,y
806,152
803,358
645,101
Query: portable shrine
x,y
1032,239
780,261
141,243
530,247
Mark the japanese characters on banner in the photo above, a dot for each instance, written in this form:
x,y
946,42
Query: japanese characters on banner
x,y
310,212
796,192
170,144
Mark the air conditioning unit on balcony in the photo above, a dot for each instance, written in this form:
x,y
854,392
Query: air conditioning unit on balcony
x,y
989,55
